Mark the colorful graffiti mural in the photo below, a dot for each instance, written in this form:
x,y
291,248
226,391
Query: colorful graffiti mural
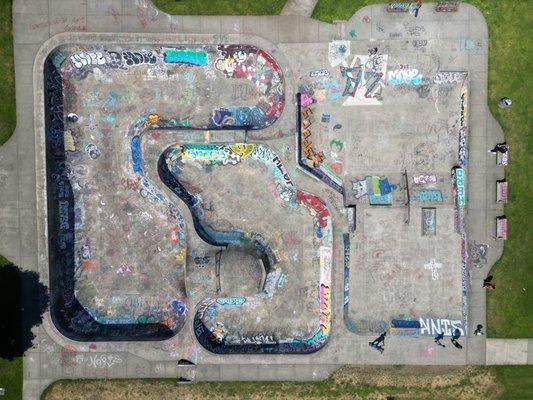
x,y
378,190
137,316
209,326
185,56
309,159
364,79
259,67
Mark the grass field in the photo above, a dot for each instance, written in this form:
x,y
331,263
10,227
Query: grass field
x,y
7,77
220,7
510,22
407,383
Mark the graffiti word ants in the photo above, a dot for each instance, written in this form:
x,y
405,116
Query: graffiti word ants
x,y
434,326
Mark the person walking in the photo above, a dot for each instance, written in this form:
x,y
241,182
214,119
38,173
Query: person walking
x,y
438,339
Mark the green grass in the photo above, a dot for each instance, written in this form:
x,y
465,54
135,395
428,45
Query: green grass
x,y
11,378
517,381
362,382
7,75
510,25
220,7
11,371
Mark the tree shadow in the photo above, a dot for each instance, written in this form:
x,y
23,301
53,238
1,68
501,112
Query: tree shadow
x,y
24,300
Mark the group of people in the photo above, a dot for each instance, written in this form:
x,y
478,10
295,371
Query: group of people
x,y
379,342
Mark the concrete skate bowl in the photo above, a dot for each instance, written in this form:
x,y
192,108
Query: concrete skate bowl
x,y
240,324
117,241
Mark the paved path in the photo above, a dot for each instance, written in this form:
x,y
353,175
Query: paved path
x,y
35,21
299,7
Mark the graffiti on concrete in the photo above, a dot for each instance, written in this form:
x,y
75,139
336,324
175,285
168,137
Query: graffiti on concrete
x,y
431,326
377,189
450,77
429,221
477,254
470,45
99,361
459,186
427,196
71,188
185,56
424,179
319,73
91,59
346,263
419,43
209,324
447,6
463,131
364,79
398,7
259,67
339,50
231,301
113,59
407,76
309,159
405,326
313,158
434,267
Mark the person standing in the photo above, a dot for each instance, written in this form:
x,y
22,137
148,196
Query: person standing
x,y
487,283
417,7
479,330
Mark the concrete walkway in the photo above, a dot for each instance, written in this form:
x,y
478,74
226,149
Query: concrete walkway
x,y
36,21
299,7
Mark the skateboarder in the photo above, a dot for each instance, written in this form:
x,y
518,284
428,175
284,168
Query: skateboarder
x,y
380,340
456,343
438,339
456,335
